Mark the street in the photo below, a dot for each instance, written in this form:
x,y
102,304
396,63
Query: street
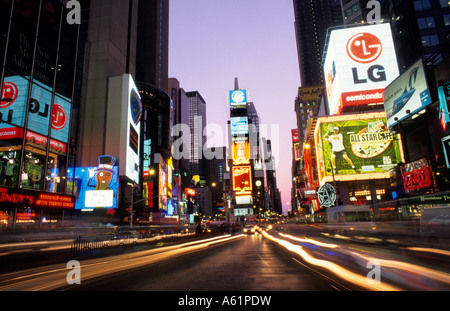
x,y
287,257
247,263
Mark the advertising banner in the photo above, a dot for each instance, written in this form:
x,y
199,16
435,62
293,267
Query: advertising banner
x,y
14,103
360,62
407,95
96,187
297,152
444,103
310,93
12,198
240,150
295,136
239,125
417,176
123,127
356,146
446,146
242,180
238,99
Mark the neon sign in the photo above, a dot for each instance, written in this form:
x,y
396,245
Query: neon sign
x,y
417,179
25,198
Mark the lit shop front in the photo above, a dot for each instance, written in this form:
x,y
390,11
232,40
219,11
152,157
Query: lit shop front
x,y
418,110
28,208
34,142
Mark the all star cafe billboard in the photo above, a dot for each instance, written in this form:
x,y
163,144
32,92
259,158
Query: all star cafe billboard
x,y
356,147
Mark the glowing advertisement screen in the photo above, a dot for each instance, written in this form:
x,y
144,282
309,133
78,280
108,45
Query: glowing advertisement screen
x,y
350,147
239,125
96,187
407,95
240,150
14,102
238,99
360,62
242,180
134,113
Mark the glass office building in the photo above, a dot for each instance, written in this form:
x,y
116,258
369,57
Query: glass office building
x,y
38,49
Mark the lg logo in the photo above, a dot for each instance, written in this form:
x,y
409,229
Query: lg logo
x,y
59,117
10,93
364,48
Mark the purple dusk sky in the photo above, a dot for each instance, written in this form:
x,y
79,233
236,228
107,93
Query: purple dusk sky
x,y
212,42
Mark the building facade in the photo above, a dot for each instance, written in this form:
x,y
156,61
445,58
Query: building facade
x,y
41,63
197,123
312,20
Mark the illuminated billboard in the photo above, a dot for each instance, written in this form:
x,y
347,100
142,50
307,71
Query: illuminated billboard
x,y
12,197
407,95
353,147
163,190
239,125
242,180
238,99
96,187
444,103
295,136
240,150
359,64
123,125
42,115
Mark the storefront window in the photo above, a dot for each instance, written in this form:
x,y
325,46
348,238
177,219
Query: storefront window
x,y
359,193
9,166
33,169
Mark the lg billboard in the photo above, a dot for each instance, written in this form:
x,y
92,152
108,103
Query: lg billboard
x,y
42,115
360,62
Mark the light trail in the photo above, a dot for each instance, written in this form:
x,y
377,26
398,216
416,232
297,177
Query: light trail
x,y
332,267
54,277
411,269
311,241
416,269
429,250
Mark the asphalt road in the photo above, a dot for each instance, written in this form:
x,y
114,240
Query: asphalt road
x,y
288,258
247,263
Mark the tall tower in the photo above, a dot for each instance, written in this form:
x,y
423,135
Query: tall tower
x,y
312,19
247,174
197,123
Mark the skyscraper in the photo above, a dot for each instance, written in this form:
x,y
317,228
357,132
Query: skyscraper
x,y
197,123
181,117
312,19
152,56
126,37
